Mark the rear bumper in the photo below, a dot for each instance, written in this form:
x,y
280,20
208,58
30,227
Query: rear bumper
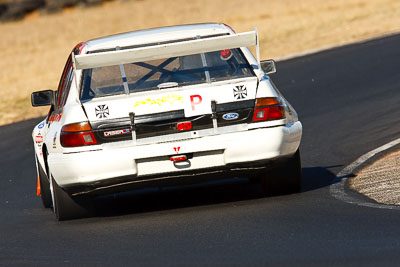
x,y
137,166
126,183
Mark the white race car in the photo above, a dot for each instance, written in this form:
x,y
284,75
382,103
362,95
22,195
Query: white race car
x,y
159,107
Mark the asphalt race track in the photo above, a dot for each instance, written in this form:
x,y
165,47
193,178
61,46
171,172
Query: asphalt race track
x,y
348,100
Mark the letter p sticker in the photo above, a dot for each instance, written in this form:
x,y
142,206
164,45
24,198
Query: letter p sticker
x,y
195,100
197,104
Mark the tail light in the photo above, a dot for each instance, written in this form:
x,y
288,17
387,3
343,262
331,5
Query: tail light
x,y
267,109
77,134
184,126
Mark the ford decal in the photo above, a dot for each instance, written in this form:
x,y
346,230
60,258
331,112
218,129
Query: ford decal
x,y
230,116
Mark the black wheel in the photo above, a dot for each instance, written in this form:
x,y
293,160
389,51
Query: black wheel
x,y
285,179
45,193
67,207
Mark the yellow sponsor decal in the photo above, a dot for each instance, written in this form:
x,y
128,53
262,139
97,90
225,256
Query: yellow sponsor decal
x,y
170,99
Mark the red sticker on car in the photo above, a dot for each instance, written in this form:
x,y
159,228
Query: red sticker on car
x,y
116,132
39,139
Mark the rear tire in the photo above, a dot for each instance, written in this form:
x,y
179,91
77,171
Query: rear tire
x,y
45,193
285,179
67,207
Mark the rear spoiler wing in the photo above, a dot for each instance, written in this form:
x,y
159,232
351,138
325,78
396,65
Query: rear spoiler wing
x,y
183,48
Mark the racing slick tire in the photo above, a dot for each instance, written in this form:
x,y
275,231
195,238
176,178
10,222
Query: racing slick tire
x,y
285,179
66,207
45,192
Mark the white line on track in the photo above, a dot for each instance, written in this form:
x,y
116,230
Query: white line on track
x,y
337,189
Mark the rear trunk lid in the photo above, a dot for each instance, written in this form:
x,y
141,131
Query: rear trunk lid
x,y
154,114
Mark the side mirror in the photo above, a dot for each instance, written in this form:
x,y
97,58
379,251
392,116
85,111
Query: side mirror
x,y
43,98
268,66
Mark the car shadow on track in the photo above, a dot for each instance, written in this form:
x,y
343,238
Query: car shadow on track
x,y
211,193
317,177
177,197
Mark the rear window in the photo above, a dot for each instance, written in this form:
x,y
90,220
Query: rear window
x,y
164,73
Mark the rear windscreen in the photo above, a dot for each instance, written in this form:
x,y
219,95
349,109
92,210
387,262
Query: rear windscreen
x,y
164,73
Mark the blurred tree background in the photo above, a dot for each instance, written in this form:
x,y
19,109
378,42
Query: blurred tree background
x,y
16,9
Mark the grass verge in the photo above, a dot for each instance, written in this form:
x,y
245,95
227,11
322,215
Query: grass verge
x,y
33,51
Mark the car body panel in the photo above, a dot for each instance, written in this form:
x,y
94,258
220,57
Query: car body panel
x,y
122,160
